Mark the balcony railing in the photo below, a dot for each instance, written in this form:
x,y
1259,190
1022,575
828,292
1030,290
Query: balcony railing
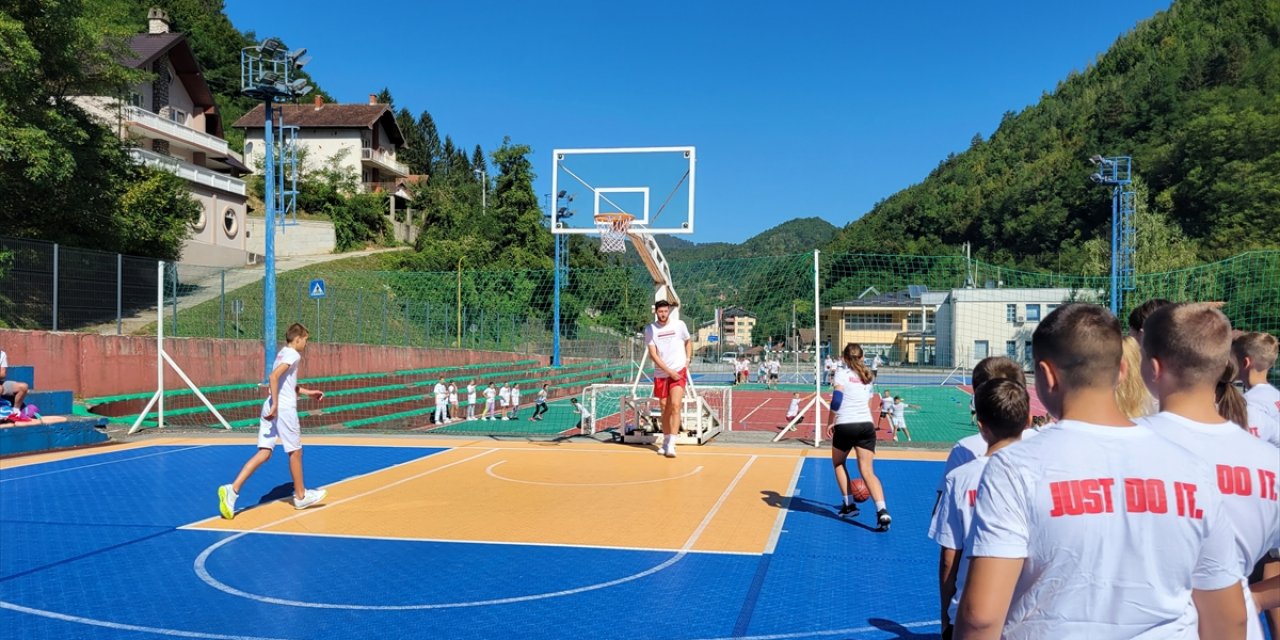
x,y
384,160
173,130
188,171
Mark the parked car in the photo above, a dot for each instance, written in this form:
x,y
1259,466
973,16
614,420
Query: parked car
x,y
729,357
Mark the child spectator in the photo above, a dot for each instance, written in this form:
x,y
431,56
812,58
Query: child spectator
x,y
1002,411
793,410
1255,354
490,394
515,402
454,414
1187,351
971,447
471,399
504,400
1097,528
11,387
540,404
900,419
441,392
279,420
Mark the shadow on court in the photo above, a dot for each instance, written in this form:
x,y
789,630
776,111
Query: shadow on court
x,y
279,492
802,505
901,632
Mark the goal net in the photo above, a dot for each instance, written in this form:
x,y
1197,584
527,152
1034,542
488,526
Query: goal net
x,y
633,415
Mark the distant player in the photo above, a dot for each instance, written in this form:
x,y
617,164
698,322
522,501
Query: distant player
x,y
900,419
442,402
1097,528
671,349
886,407
1187,349
828,369
490,398
793,410
852,430
279,420
775,368
471,399
515,402
504,401
875,366
454,414
584,415
762,372
1003,410
540,403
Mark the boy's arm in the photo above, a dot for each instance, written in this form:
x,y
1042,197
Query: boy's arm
x,y
948,568
1266,594
312,393
987,594
274,381
1222,613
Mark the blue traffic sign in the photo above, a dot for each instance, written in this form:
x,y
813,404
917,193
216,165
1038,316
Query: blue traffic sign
x,y
317,288
713,338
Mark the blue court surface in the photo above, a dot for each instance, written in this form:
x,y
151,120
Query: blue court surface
x,y
104,545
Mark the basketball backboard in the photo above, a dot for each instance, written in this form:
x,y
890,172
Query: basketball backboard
x,y
655,185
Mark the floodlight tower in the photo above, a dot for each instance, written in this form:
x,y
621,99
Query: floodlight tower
x,y
562,212
267,72
1115,172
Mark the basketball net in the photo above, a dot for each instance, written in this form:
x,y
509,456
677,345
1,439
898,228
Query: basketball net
x,y
613,228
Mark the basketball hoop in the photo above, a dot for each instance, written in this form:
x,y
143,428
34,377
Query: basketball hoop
x,y
613,229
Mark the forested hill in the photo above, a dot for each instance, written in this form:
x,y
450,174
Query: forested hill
x,y
793,236
1192,94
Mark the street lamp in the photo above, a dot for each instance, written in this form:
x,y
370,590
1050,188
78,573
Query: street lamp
x,y
1115,172
267,73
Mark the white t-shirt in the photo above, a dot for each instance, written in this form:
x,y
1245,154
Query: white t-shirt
x,y
515,396
1264,412
542,396
970,448
669,339
504,396
581,410
471,394
489,394
442,393
856,404
830,365
953,522
886,405
288,393
453,394
4,359
793,408
900,413
774,367
1116,526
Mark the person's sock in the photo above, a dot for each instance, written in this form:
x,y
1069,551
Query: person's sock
x,y
880,505
846,499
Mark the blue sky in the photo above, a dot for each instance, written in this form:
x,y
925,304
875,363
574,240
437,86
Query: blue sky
x,y
797,109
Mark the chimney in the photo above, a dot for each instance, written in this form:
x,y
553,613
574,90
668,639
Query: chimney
x,y
157,21
319,102
373,98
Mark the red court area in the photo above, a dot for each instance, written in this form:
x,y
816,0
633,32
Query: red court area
x,y
756,410
1037,408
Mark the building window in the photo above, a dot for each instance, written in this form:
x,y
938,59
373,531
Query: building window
x,y
178,115
1026,351
981,349
200,222
913,321
870,321
248,148
1033,313
1011,349
135,100
230,222
1011,313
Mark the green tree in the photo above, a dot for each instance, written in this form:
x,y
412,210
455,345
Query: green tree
x,y
156,214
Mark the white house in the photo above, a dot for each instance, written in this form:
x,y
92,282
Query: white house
x,y
976,323
174,124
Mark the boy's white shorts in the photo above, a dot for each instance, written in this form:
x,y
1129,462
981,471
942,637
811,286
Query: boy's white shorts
x,y
284,426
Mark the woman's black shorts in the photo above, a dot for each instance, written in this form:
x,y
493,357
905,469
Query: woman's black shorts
x,y
855,434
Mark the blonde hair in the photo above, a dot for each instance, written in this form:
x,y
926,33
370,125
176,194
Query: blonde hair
x,y
1131,393
1260,348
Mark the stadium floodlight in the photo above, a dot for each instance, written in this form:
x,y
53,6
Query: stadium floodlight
x,y
299,87
1097,178
1096,159
269,77
270,47
298,58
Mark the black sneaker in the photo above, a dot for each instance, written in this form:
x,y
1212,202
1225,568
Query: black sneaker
x,y
883,520
850,509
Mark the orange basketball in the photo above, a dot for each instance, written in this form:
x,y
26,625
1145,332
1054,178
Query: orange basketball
x,y
858,489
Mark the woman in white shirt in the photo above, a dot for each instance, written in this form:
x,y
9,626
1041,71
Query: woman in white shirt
x,y
853,430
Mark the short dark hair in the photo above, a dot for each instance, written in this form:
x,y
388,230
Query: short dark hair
x,y
660,304
993,367
1003,407
295,330
1261,348
1192,341
1139,315
1082,342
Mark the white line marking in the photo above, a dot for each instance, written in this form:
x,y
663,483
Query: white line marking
x,y
491,473
783,510
831,632
121,626
743,419
99,464
204,574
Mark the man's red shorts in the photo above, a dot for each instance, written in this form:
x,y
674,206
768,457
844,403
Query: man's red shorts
x,y
662,386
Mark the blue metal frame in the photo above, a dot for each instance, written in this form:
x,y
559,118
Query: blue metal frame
x,y
1116,172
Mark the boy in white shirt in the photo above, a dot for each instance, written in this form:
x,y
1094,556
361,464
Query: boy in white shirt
x,y
1004,410
515,402
441,392
504,400
490,394
793,410
1186,348
1097,528
454,414
1255,354
671,349
900,419
279,419
471,399
584,419
974,446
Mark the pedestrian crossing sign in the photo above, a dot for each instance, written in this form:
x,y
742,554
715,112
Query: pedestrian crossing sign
x,y
317,288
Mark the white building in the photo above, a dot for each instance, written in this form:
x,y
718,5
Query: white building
x,y
174,124
976,323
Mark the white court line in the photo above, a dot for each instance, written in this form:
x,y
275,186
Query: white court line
x,y
99,464
830,632
203,573
782,511
491,473
121,626
743,420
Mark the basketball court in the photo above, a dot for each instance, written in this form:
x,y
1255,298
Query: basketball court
x,y
462,539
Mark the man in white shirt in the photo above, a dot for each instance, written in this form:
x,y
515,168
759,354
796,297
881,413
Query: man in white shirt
x,y
828,369
671,349
1185,349
442,402
1097,528
1255,354
11,387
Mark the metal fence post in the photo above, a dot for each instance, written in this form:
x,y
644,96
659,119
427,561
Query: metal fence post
x,y
174,268
384,318
360,317
119,294
55,287
222,305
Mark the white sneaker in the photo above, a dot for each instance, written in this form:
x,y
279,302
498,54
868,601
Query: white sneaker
x,y
311,497
227,501
670,453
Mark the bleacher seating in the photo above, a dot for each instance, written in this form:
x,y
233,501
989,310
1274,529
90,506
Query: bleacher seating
x,y
57,428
